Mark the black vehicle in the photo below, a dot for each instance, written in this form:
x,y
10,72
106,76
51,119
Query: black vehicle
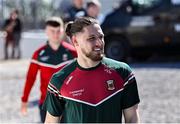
x,y
140,28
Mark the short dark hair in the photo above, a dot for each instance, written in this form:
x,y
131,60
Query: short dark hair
x,y
76,26
16,11
54,22
93,3
89,4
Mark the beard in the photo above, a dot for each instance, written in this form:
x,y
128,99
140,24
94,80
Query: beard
x,y
93,55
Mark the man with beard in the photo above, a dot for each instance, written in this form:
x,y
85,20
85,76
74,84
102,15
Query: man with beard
x,y
92,88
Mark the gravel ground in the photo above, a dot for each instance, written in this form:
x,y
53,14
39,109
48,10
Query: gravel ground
x,y
12,77
158,88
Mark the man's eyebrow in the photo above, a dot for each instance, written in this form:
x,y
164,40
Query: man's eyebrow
x,y
92,35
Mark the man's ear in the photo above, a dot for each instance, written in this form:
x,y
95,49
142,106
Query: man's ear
x,y
62,33
74,40
62,30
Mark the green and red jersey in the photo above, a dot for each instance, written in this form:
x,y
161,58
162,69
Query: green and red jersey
x,y
47,61
97,94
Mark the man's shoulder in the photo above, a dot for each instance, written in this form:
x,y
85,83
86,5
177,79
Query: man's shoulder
x,y
66,70
59,77
115,64
7,20
68,46
39,51
122,68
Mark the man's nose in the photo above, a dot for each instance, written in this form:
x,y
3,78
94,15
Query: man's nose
x,y
99,42
56,33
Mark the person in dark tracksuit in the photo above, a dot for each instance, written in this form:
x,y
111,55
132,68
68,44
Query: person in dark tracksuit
x,y
70,13
13,26
92,9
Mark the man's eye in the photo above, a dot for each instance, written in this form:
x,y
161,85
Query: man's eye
x,y
101,37
92,38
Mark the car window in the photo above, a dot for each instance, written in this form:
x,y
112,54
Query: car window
x,y
175,2
143,6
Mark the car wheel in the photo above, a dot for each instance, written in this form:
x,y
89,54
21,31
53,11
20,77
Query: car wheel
x,y
117,48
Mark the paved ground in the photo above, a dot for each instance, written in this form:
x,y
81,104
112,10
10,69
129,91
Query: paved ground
x,y
158,83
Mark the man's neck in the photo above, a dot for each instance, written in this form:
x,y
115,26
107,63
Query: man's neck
x,y
53,45
87,63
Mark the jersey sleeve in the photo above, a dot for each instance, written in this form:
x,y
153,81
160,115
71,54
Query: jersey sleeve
x,y
30,78
54,103
130,95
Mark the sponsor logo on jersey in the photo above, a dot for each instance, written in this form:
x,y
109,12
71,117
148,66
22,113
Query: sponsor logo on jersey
x,y
44,58
110,84
76,92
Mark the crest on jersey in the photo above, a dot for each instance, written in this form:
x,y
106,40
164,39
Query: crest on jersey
x,y
110,84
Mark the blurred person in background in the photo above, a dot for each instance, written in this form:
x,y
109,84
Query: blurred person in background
x,y
12,27
47,59
92,9
123,9
77,6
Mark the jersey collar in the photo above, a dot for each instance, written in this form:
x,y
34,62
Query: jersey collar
x,y
87,69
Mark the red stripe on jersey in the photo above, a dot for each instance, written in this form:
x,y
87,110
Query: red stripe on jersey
x,y
92,90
